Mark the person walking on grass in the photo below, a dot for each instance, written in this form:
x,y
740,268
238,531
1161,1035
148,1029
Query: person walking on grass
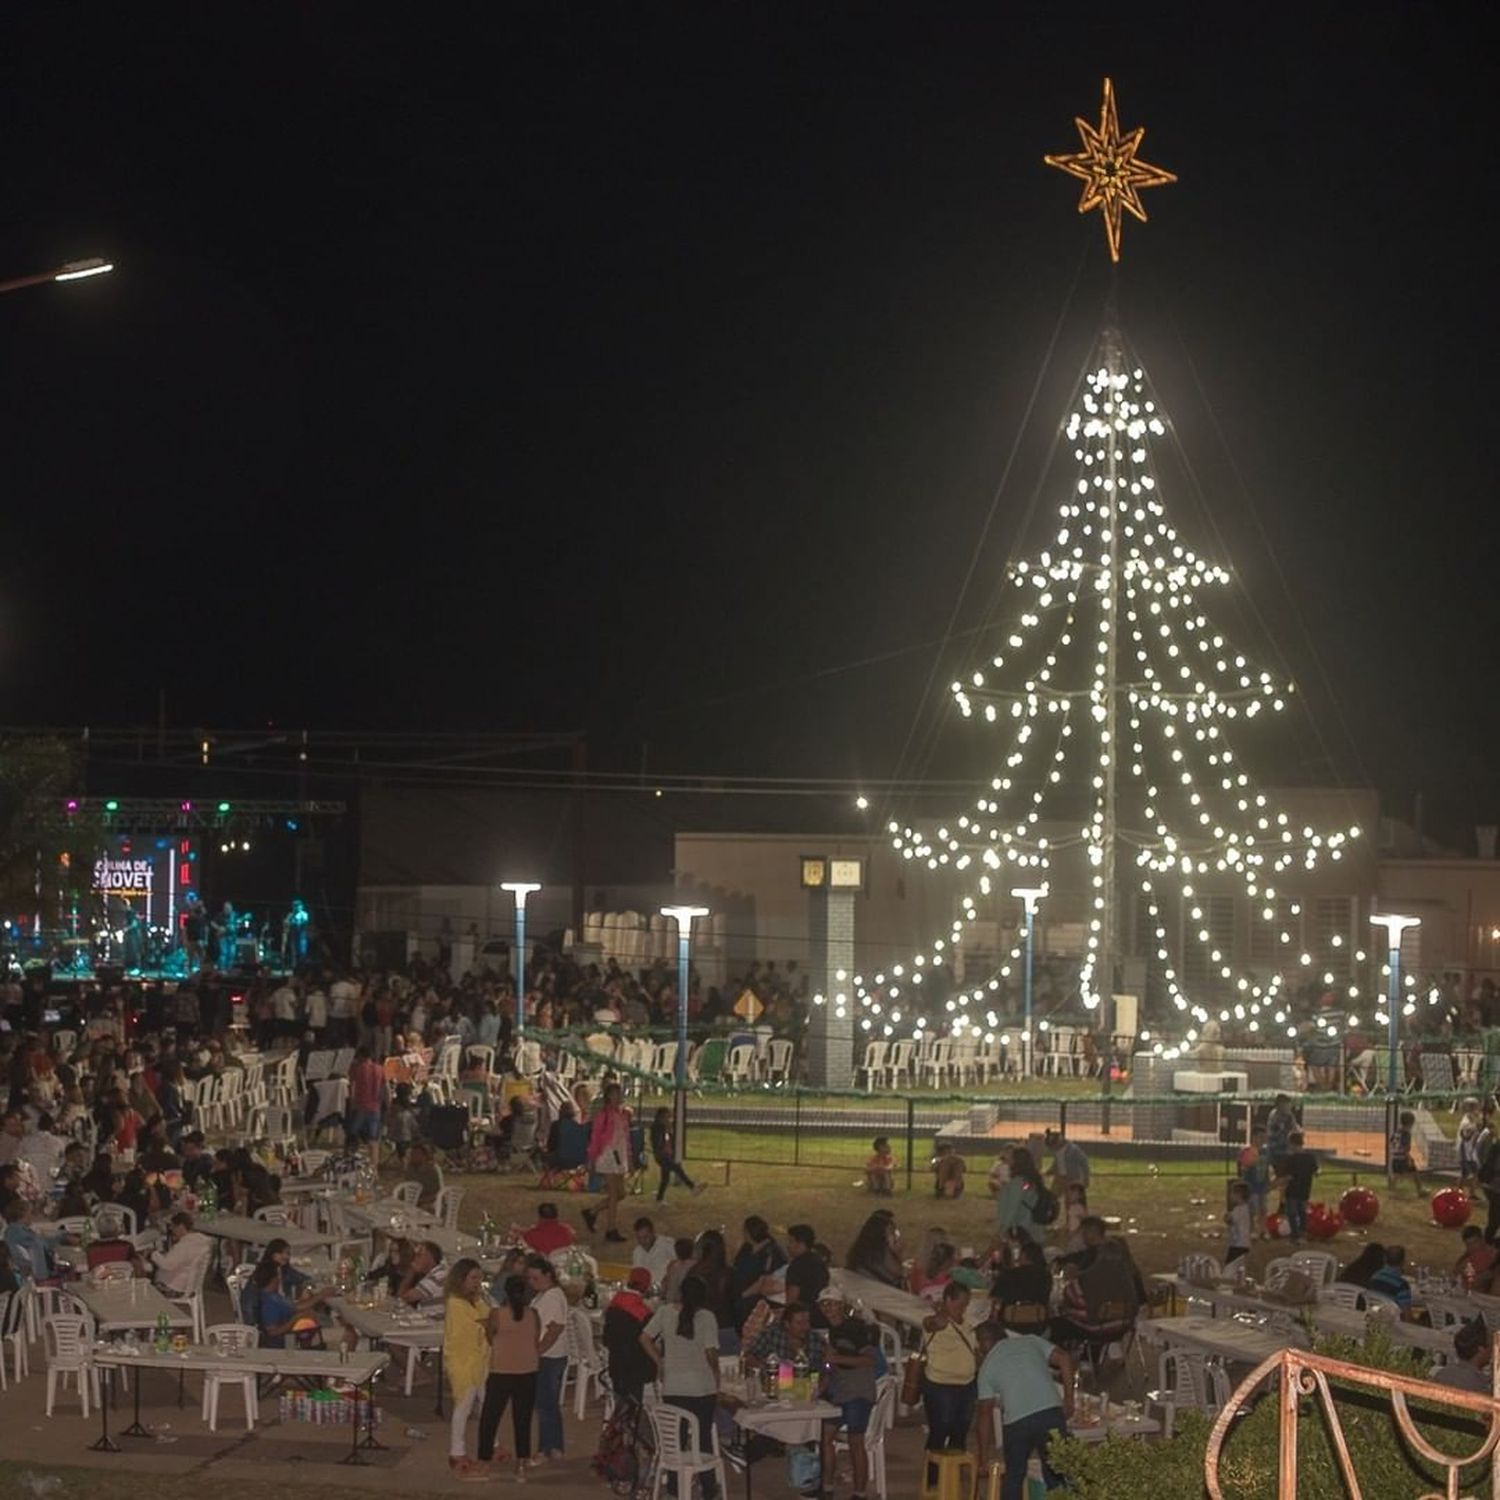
x,y
609,1156
664,1149
466,1354
1298,1168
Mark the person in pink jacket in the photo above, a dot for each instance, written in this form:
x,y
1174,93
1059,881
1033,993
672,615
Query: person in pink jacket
x,y
609,1156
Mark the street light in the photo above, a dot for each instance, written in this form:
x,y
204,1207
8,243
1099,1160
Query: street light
x,y
683,916
1394,927
520,889
1029,895
73,270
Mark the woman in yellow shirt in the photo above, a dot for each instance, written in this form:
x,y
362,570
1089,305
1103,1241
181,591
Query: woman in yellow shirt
x,y
948,1381
466,1357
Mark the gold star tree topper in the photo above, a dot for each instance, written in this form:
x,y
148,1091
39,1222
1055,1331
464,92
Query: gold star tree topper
x,y
1111,172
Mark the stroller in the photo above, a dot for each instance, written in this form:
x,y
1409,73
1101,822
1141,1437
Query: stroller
x,y
625,1458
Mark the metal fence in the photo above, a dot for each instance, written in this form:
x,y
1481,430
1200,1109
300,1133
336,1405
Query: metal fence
x,y
806,1128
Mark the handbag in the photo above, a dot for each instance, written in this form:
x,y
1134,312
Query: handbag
x,y
911,1375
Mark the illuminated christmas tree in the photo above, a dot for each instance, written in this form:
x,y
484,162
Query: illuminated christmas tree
x,y
1119,701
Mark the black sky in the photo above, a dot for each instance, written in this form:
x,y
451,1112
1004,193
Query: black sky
x,y
620,367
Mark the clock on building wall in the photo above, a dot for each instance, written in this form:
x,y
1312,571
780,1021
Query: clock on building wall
x,y
846,874
814,872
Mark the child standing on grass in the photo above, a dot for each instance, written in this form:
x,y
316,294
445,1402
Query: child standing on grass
x,y
880,1169
1237,1221
1402,1162
1255,1173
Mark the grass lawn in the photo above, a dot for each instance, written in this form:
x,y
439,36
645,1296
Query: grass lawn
x,y
1165,1213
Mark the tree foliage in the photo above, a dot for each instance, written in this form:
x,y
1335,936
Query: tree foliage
x,y
41,844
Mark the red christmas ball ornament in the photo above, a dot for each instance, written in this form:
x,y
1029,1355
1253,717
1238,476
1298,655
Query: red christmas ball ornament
x,y
1323,1222
1277,1227
1360,1206
1451,1207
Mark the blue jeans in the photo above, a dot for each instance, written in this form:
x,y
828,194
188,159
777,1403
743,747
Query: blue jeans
x,y
950,1413
1296,1216
549,1428
1023,1437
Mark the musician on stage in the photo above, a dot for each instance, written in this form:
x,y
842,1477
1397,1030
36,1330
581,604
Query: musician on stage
x,y
194,930
134,939
296,934
226,932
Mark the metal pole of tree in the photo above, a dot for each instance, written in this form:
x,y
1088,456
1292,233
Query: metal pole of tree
x,y
1029,896
1394,926
520,889
683,916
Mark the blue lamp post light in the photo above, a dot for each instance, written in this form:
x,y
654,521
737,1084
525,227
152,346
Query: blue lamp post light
x,y
1029,896
1394,927
520,889
683,916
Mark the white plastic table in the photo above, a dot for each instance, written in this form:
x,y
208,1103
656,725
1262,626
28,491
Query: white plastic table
x,y
1223,1337
246,1231
121,1306
329,1364
785,1421
407,1329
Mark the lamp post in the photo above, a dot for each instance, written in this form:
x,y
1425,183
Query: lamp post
x,y
683,916
74,270
1029,896
1394,927
520,889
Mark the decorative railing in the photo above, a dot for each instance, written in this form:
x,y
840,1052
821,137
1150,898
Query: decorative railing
x,y
1302,1374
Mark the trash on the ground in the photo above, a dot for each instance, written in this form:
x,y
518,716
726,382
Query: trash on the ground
x,y
416,1433
39,1484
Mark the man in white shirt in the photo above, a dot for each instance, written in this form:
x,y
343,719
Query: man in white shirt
x,y
284,1006
653,1252
173,1268
343,998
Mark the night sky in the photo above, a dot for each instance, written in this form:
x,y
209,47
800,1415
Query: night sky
x,y
642,369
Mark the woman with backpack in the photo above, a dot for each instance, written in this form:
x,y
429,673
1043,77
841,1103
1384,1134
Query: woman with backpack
x,y
1020,1196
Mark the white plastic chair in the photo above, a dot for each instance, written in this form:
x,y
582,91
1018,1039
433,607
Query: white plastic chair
x,y
584,1361
669,1424
739,1064
1317,1264
882,1419
227,1340
407,1193
13,1310
1181,1381
446,1205
190,1300
105,1214
872,1064
66,1341
1342,1294
779,1056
